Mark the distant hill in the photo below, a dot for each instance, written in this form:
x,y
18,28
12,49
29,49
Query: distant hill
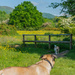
x,y
7,9
48,15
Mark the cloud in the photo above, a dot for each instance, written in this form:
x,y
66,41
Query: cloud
x,y
34,3
41,2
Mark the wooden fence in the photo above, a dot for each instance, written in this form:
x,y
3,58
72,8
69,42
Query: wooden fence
x,y
36,41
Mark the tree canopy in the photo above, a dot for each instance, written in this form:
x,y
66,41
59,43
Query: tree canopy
x,y
26,15
68,6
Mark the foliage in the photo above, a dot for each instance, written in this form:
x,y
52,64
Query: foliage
x,y
51,29
68,6
68,25
49,21
7,29
26,15
3,16
56,19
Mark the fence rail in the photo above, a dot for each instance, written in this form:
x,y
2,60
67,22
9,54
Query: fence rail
x,y
36,41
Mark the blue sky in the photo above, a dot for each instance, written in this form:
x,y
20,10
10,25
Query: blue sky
x,y
42,5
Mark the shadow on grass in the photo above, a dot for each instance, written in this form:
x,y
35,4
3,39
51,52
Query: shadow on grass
x,y
39,48
30,48
43,49
71,54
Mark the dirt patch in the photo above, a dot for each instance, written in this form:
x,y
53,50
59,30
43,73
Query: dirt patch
x,y
15,46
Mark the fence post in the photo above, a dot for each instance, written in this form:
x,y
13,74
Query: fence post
x,y
70,41
23,39
49,40
35,40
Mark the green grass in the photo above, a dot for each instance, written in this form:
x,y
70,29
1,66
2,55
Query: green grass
x,y
64,66
22,56
26,56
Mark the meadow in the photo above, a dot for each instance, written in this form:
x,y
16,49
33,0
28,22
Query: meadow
x,y
10,55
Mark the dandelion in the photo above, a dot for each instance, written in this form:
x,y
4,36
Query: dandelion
x,y
6,58
37,32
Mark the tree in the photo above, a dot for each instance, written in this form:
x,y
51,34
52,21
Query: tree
x,y
3,16
68,6
26,15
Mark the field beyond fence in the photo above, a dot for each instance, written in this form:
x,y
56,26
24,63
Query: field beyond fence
x,y
38,32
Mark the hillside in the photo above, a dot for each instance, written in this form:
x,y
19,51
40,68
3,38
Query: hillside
x,y
7,9
48,15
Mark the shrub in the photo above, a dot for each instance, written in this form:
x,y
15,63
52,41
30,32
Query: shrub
x,y
66,39
54,29
72,30
7,29
48,33
3,16
67,25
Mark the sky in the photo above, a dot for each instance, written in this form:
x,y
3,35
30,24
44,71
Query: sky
x,y
42,5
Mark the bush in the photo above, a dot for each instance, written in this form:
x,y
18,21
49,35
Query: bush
x,y
48,33
65,30
3,16
72,30
67,25
54,29
7,29
66,39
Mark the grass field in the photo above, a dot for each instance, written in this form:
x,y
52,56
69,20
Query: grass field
x,y
26,56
